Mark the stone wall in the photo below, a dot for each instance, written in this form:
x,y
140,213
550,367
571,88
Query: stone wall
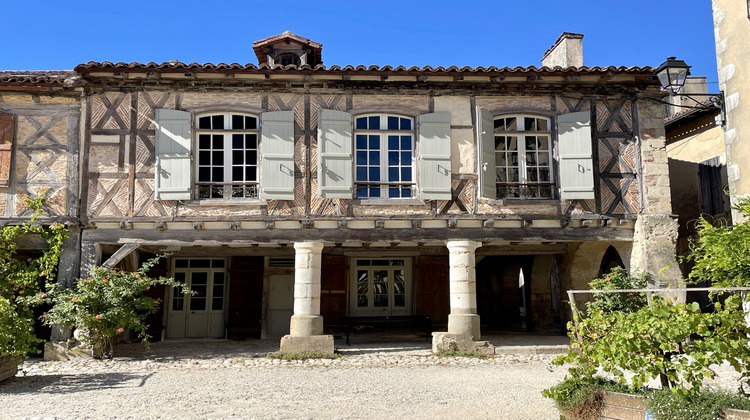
x,y
732,35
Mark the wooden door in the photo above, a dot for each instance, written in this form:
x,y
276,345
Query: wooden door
x,y
245,297
333,290
433,297
155,321
280,303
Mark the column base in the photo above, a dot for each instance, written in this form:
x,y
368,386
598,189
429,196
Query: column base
x,y
317,343
464,324
306,325
460,342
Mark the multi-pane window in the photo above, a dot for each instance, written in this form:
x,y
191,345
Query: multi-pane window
x,y
206,279
227,156
523,156
384,156
381,286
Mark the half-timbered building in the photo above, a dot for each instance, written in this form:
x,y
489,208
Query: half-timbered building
x,y
291,195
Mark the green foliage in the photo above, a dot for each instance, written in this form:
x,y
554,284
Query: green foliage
x,y
721,254
20,278
582,399
618,278
577,399
655,342
303,355
106,303
459,353
667,405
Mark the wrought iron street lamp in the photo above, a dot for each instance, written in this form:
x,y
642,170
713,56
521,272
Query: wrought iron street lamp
x,y
672,74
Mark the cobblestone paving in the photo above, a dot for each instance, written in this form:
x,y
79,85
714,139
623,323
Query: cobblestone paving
x,y
237,355
235,380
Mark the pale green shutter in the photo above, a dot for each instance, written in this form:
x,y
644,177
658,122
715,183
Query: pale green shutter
x,y
487,165
277,143
435,156
172,155
335,154
576,163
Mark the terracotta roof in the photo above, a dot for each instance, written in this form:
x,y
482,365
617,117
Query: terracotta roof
x,y
69,78
286,35
107,65
699,108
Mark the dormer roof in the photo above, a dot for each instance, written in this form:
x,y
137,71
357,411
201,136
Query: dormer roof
x,y
288,41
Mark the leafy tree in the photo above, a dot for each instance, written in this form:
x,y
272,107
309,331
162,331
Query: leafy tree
x,y
722,253
20,278
106,303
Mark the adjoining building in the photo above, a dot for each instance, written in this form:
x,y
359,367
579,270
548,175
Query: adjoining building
x,y
732,32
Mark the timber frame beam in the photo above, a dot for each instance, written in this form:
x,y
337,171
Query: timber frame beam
x,y
219,237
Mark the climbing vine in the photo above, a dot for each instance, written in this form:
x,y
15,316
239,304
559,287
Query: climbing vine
x,y
23,277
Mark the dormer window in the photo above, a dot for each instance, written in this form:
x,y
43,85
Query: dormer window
x,y
286,59
288,49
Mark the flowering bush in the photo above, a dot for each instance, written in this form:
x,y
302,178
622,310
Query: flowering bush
x,y
618,278
24,277
106,303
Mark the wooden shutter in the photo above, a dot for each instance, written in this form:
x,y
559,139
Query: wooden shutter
x,y
335,154
435,156
173,180
712,191
277,143
576,163
6,143
487,169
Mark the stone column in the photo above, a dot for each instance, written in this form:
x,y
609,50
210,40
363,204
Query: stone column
x,y
306,325
463,322
655,234
463,318
61,346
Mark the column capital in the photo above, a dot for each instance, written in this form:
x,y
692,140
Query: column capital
x,y
468,246
311,246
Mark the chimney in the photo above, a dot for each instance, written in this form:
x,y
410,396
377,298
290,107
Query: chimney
x,y
567,51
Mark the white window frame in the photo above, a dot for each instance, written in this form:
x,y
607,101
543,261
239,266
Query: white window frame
x,y
371,309
228,189
520,132
384,132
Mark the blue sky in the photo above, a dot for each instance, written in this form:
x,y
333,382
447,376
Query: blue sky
x,y
58,36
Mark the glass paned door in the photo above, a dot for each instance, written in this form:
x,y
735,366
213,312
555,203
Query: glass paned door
x,y
200,314
381,287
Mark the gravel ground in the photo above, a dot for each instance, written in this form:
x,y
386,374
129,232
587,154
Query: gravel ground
x,y
231,380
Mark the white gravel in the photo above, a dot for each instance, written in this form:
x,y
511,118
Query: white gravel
x,y
226,380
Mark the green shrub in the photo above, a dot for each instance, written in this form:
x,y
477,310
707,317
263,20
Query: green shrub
x,y
303,355
655,342
705,405
106,303
618,278
459,353
23,277
721,252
